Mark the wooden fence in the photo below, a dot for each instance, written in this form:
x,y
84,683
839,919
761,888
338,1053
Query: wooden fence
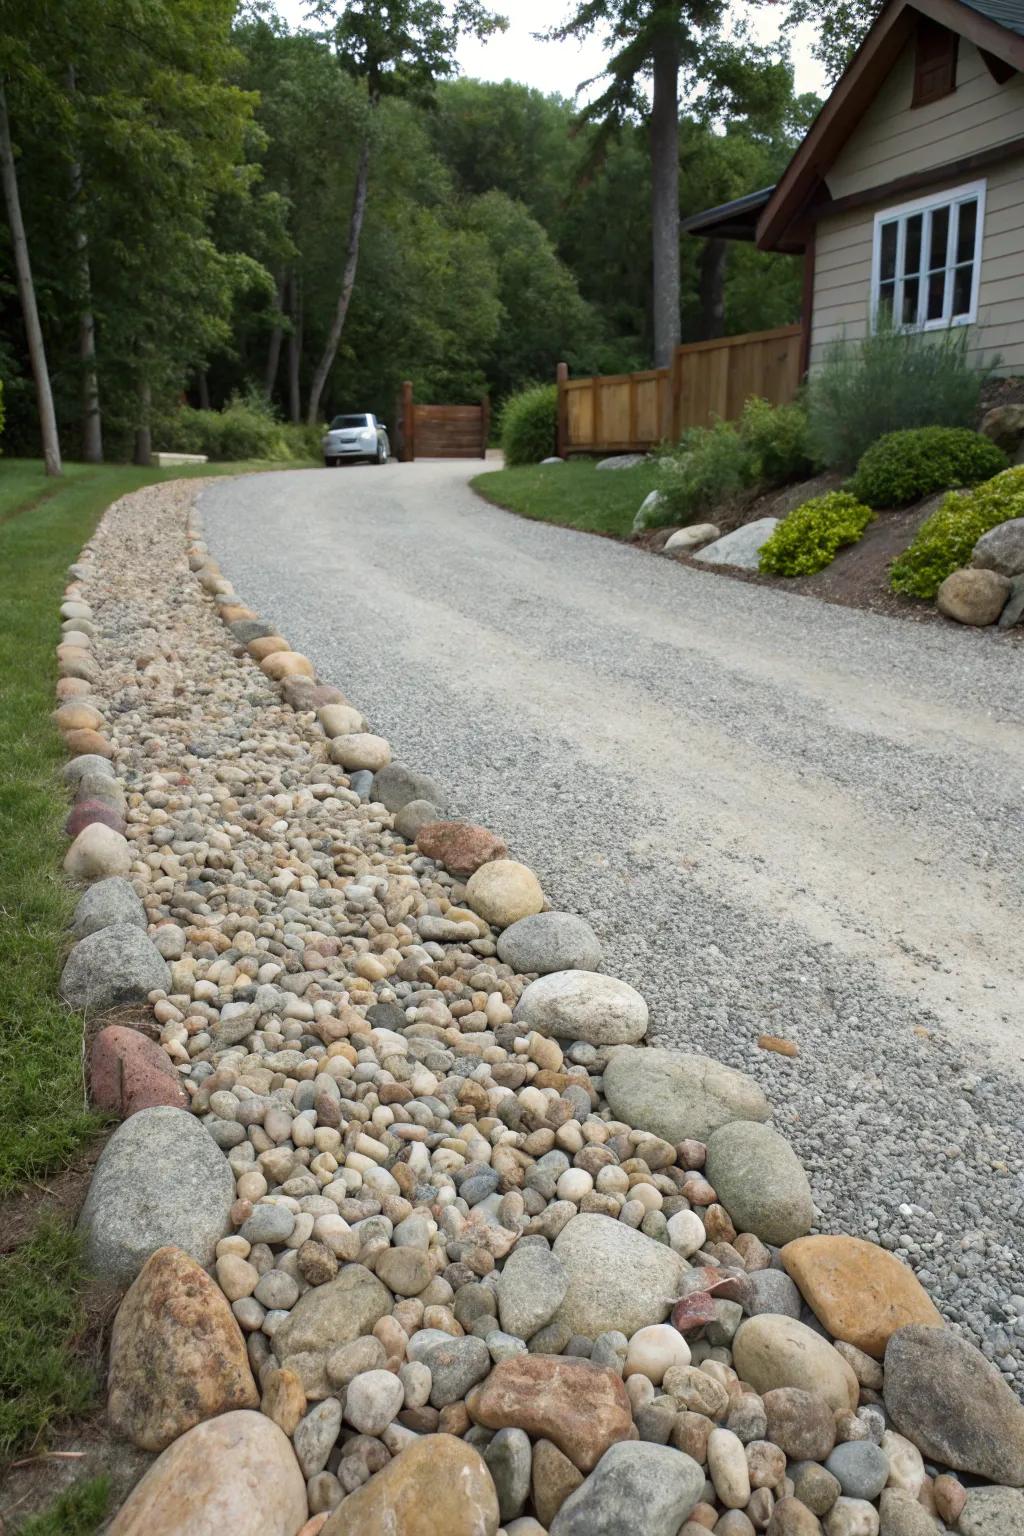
x,y
630,412
443,431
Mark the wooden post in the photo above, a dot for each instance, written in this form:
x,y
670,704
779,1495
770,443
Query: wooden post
x,y
673,389
595,388
562,414
408,423
632,413
485,424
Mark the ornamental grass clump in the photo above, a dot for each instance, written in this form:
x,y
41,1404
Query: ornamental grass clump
x,y
529,425
904,466
945,542
811,536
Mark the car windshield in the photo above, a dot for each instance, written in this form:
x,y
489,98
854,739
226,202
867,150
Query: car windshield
x,y
350,421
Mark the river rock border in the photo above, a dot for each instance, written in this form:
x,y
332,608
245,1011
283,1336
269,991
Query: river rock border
x,y
414,1237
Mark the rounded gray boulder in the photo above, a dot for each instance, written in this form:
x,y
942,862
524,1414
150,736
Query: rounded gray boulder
x,y
676,1095
160,1179
550,941
119,964
395,785
618,1277
105,905
760,1181
581,1005
636,1486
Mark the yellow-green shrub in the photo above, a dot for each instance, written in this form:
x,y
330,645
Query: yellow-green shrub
x,y
810,537
944,543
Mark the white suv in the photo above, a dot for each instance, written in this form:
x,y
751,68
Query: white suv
x,y
356,437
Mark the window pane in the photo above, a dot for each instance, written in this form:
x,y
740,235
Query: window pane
x,y
888,251
936,295
963,280
966,229
911,287
939,236
912,257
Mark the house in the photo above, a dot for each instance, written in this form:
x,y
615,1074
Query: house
x,y
906,197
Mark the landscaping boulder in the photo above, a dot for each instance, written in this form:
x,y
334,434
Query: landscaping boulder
x,y
742,547
618,1277
1001,549
235,1475
676,1094
635,1486
685,540
119,964
105,904
461,846
582,1005
129,1072
759,1180
437,1483
861,1292
975,597
502,891
647,515
394,785
550,941
771,1351
1004,424
160,1179
97,852
622,461
1013,612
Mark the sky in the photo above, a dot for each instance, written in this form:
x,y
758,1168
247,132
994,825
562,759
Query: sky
x,y
517,55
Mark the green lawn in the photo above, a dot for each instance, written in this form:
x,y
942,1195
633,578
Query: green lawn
x,y
575,494
44,1119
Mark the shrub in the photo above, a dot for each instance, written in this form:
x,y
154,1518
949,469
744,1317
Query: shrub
x,y
529,425
710,465
247,428
1,407
776,438
810,537
903,466
890,381
945,541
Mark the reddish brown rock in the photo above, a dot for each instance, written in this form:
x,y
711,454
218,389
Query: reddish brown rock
x,y
693,1312
177,1355
85,812
129,1072
80,743
460,846
582,1407
859,1291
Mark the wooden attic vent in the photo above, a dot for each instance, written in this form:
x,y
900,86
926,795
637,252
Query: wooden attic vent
x,y
935,51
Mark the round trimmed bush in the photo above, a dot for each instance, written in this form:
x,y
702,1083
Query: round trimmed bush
x,y
904,466
945,542
812,535
529,425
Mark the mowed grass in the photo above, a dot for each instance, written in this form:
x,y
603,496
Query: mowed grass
x,y
575,494
44,1117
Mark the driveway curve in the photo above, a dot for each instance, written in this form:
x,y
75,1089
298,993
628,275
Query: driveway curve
x,y
782,817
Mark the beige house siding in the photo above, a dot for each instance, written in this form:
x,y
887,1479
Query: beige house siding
x,y
843,247
893,139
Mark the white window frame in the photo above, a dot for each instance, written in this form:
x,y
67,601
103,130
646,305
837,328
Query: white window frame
x,y
950,198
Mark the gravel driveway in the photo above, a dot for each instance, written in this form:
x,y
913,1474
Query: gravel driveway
x,y
780,816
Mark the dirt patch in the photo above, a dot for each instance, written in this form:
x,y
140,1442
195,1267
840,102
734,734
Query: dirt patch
x,y
86,1450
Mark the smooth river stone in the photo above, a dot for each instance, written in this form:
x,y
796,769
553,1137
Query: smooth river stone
x,y
954,1405
583,1408
503,891
335,1313
119,964
438,1484
98,852
461,846
235,1475
773,1351
177,1355
129,1072
859,1291
281,664
678,1095
583,1005
550,941
618,1277
635,1487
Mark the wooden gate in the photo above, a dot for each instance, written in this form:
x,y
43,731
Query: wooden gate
x,y
443,431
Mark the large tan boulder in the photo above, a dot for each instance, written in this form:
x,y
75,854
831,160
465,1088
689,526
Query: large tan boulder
x,y
360,751
282,664
858,1290
973,596
503,891
438,1484
177,1355
232,1476
774,1351
97,852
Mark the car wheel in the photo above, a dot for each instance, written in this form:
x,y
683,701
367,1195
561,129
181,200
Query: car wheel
x,y
382,454
330,463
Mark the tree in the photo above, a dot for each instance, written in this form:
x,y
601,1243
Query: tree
x,y
394,48
839,26
651,40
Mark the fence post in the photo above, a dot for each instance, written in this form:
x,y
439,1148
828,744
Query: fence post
x,y
562,412
673,386
408,424
485,424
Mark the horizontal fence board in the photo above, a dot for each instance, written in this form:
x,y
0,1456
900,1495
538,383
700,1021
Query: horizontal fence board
x,y
443,431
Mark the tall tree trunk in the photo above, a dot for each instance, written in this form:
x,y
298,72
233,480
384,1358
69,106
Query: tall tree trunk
x,y
295,351
348,278
203,385
276,335
714,259
665,192
92,421
143,432
27,293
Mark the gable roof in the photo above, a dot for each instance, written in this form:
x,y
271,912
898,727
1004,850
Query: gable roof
x,y
997,26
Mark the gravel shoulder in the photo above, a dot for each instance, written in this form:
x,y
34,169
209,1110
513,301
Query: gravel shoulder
x,y
781,817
